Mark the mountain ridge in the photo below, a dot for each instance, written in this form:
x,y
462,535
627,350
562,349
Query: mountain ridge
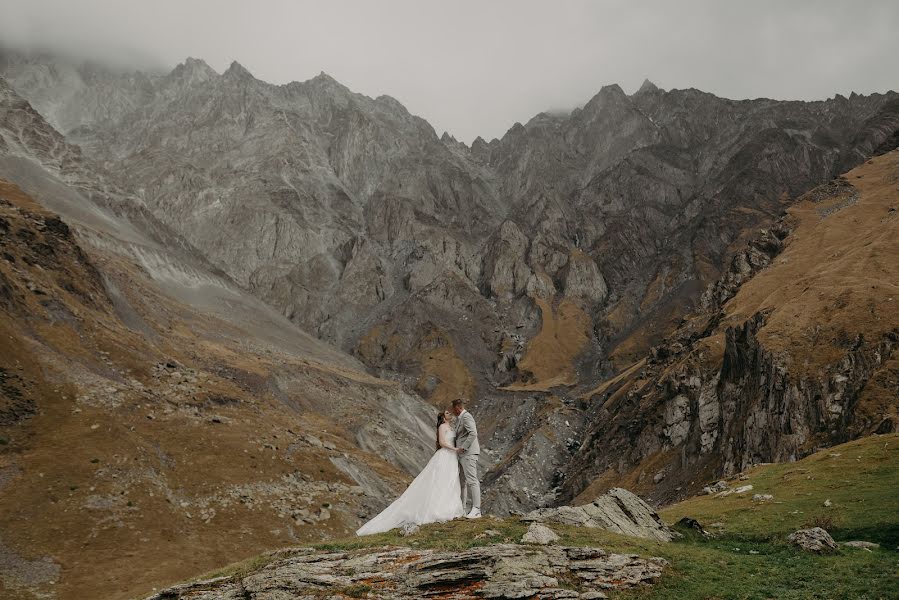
x,y
464,271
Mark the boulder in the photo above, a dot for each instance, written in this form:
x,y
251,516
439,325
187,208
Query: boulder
x,y
718,486
689,524
539,534
739,490
813,540
617,510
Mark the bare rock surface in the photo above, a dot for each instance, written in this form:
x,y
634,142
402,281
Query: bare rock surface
x,y
617,510
861,544
538,533
814,539
505,571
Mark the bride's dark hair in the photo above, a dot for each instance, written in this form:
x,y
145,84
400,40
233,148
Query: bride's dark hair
x,y
441,419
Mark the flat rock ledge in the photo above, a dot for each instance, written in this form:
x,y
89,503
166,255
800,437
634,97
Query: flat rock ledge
x,y
505,571
617,510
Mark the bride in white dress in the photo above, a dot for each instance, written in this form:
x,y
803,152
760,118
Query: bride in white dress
x,y
435,495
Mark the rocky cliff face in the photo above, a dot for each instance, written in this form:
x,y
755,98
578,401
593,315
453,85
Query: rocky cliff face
x,y
147,401
792,350
520,272
361,218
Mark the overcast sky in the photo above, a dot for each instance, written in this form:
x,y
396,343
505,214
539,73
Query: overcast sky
x,y
476,67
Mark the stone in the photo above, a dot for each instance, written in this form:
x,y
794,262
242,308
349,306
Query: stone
x,y
738,490
617,510
762,497
718,486
694,525
861,544
828,503
539,534
814,539
409,529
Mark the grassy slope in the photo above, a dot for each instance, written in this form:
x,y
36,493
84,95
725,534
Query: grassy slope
x,y
861,479
114,491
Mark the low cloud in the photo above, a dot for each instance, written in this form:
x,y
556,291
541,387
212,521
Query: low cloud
x,y
474,68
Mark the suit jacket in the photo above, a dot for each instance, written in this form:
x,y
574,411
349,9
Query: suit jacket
x,y
467,434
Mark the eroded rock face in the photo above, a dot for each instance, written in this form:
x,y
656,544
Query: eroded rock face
x,y
504,571
353,219
618,510
339,209
745,380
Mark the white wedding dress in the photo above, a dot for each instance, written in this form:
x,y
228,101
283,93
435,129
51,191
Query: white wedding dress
x,y
435,495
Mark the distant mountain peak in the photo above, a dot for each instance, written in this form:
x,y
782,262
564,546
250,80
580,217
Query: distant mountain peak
x,y
608,95
323,77
238,70
194,69
647,87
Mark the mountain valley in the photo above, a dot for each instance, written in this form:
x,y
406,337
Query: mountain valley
x,y
230,309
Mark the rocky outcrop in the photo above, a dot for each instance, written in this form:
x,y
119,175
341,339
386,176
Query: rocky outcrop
x,y
618,510
815,540
505,571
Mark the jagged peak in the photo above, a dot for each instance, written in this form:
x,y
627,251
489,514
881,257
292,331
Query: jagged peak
x,y
238,70
612,89
608,94
323,77
323,81
195,69
647,87
447,138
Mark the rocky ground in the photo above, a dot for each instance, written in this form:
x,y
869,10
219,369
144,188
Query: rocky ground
x,y
824,527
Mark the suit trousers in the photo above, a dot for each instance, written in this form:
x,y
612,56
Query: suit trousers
x,y
469,463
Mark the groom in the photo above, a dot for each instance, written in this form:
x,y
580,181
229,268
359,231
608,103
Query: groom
x,y
468,449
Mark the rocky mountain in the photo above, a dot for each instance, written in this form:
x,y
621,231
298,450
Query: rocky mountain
x,y
792,350
147,402
373,233
549,275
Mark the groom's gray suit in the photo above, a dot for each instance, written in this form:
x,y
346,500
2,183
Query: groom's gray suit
x,y
467,439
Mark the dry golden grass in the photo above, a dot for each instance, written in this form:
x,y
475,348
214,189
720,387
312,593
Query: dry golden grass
x,y
99,487
550,355
838,277
440,361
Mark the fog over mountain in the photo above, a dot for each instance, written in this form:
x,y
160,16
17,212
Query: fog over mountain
x,y
474,68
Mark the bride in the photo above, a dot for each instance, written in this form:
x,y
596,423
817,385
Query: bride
x,y
435,495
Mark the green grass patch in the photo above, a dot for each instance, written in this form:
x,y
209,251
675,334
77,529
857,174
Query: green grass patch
x,y
860,478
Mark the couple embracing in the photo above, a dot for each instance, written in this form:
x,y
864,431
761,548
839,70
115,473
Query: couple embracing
x,y
435,495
